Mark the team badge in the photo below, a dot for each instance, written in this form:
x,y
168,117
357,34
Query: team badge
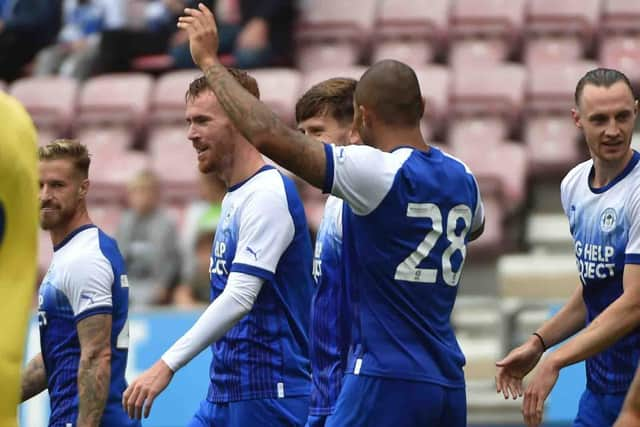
x,y
608,220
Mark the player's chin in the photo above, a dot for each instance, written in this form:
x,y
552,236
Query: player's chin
x,y
205,166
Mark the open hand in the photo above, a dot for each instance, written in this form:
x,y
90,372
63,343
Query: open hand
x,y
537,392
203,35
142,392
513,368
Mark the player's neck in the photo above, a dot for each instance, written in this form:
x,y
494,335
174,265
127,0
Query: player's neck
x,y
390,138
80,218
605,172
244,167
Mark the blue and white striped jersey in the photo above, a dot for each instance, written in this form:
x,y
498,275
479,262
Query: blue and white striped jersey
x,y
87,276
605,225
263,232
406,222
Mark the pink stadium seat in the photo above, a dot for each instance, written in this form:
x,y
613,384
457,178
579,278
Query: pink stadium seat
x,y
492,242
279,88
174,160
168,96
488,92
111,172
313,77
51,101
506,161
116,100
620,16
106,141
106,216
484,30
477,130
565,28
410,31
550,135
329,33
434,84
622,53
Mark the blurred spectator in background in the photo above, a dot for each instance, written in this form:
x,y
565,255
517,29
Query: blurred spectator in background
x,y
136,28
26,26
254,33
201,219
148,240
75,52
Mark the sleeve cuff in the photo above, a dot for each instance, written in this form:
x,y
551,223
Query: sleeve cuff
x,y
101,309
253,271
328,174
632,259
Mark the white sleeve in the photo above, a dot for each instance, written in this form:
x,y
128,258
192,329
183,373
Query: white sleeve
x,y
222,314
87,284
266,230
632,251
361,175
478,215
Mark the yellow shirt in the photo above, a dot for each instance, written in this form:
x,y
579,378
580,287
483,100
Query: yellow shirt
x,y
18,245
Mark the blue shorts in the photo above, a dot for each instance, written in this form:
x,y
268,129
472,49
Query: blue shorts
x,y
596,410
382,402
289,412
316,421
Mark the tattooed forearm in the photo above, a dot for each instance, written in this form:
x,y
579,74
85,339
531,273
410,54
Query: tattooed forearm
x,y
34,378
94,372
296,152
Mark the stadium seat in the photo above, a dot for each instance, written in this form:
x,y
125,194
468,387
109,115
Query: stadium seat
x,y
174,160
484,30
313,77
490,92
550,135
328,33
106,216
279,89
502,161
111,171
51,102
622,52
168,96
562,31
492,242
120,100
620,17
434,85
408,31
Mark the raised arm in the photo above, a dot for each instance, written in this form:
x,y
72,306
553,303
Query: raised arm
x,y
94,371
293,150
34,378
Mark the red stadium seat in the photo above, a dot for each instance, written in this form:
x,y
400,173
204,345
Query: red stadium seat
x,y
434,84
409,31
620,16
622,53
174,160
329,33
110,173
477,130
279,88
562,31
506,161
116,100
168,96
484,30
51,102
487,92
549,132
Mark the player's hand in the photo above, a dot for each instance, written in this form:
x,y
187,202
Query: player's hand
x,y
142,392
628,418
513,368
537,392
203,35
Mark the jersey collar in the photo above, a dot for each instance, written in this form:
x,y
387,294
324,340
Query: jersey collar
x,y
72,234
241,183
626,171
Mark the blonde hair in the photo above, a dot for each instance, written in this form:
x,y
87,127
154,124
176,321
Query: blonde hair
x,y
69,149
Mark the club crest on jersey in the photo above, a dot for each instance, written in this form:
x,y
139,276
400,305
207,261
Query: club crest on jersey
x,y
608,220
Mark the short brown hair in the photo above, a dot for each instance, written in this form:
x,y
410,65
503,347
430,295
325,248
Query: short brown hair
x,y
200,84
67,149
333,97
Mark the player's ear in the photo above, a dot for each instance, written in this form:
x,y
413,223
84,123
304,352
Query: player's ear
x,y
84,188
575,114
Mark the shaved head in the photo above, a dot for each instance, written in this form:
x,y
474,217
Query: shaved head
x,y
390,90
